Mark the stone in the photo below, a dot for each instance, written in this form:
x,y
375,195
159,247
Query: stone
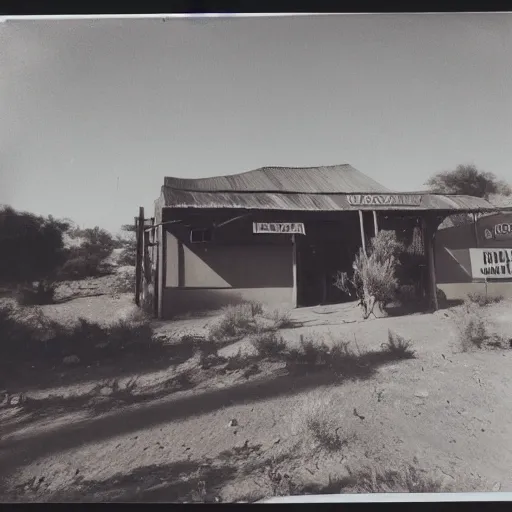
x,y
496,487
233,423
15,400
71,359
421,394
105,391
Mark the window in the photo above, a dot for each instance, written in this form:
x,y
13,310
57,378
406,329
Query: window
x,y
200,236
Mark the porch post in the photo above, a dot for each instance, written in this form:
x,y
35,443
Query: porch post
x,y
475,231
161,240
294,270
139,222
428,237
361,226
375,223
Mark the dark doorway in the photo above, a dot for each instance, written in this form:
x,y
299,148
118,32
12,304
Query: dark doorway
x,y
328,247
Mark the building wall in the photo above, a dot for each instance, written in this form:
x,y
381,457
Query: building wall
x,y
453,266
236,266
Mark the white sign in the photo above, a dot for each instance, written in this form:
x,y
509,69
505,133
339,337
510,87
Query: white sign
x,y
292,228
491,263
384,200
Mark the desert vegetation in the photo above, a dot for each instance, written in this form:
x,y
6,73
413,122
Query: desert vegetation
x,y
374,279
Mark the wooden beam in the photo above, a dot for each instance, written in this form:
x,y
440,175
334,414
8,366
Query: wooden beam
x,y
361,226
181,264
428,236
475,230
294,269
139,222
162,240
375,223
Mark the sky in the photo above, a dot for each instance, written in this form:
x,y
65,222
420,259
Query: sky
x,y
94,113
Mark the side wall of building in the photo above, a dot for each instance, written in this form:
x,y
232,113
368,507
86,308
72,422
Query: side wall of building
x,y
453,264
236,266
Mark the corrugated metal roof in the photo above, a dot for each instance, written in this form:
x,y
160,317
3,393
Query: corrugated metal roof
x,y
333,179
309,202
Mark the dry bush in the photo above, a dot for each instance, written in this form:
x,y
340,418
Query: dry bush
x,y
319,425
313,353
409,479
235,322
374,278
398,346
124,282
483,299
248,318
37,294
268,344
471,327
239,361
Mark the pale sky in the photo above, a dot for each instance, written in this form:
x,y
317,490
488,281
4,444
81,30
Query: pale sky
x,y
94,113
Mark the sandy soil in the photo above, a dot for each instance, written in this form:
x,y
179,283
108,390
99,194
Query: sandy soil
x,y
444,411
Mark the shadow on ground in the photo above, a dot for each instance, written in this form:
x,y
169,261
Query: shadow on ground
x,y
291,381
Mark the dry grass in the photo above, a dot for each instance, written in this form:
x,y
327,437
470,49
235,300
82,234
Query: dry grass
x,y
318,424
268,344
398,346
248,318
471,327
483,299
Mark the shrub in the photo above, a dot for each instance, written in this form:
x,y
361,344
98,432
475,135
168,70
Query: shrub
x,y
483,299
374,273
38,294
124,282
471,326
128,257
398,346
280,318
317,421
268,344
236,321
32,246
311,353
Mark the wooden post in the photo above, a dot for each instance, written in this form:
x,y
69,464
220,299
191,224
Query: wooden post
x,y
361,226
162,239
375,223
294,270
428,237
475,230
139,223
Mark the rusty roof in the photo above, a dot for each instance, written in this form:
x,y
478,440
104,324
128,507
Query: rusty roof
x,y
322,189
311,202
333,179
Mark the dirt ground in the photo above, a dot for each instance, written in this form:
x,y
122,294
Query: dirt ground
x,y
215,437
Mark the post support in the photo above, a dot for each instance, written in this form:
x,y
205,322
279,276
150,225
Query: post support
x,y
375,223
428,237
361,226
294,269
139,223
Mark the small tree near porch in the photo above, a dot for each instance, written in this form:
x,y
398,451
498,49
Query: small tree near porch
x,y
373,280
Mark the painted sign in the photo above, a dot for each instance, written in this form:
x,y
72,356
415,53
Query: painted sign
x,y
384,200
501,231
491,263
292,228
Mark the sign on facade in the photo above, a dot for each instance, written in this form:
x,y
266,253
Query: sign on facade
x,y
491,263
384,200
292,228
501,231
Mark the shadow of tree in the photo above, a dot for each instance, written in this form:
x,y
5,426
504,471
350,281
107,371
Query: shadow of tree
x,y
288,382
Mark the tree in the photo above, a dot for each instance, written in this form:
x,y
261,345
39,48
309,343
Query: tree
x,y
32,247
468,180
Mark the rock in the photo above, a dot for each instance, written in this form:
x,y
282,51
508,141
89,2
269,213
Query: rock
x,y
496,487
106,391
101,345
421,394
71,360
233,423
16,400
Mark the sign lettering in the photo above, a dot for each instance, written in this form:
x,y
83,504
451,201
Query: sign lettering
x,y
491,263
384,200
292,228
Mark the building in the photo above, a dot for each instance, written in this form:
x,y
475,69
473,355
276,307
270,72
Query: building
x,y
475,256
277,235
